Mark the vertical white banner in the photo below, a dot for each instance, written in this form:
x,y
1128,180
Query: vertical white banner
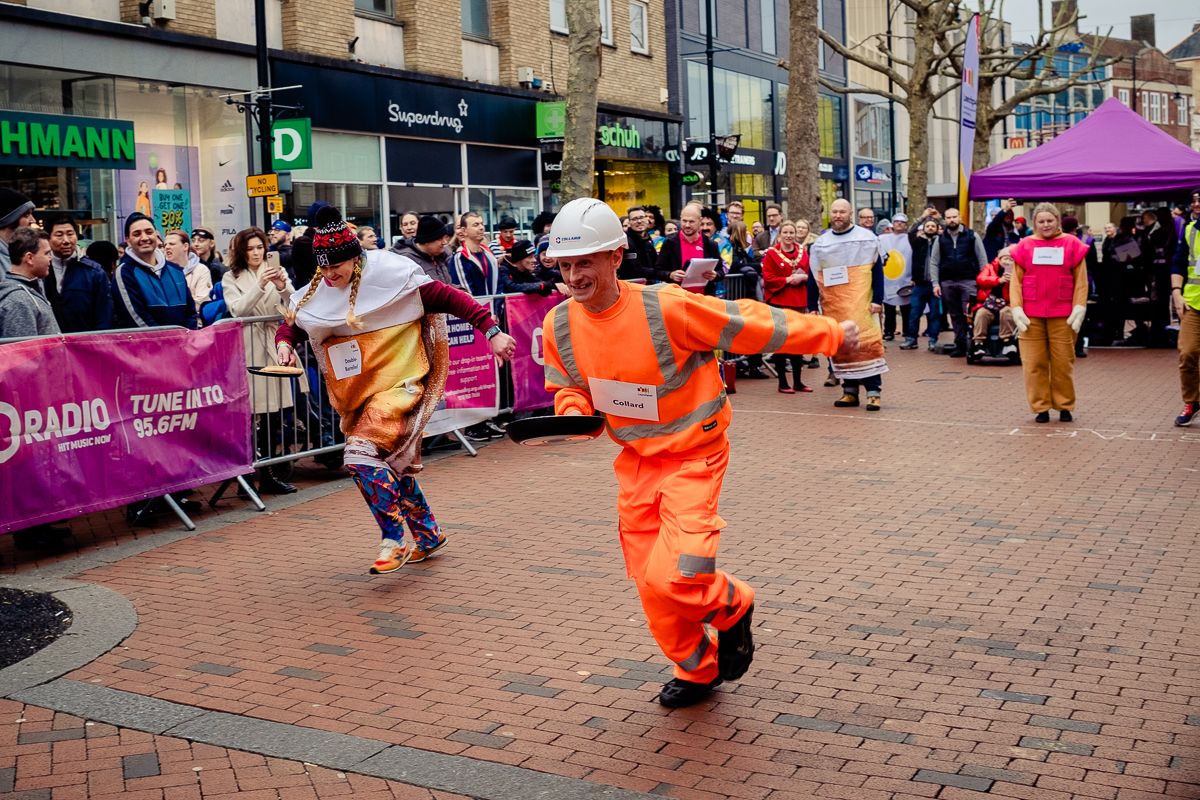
x,y
966,111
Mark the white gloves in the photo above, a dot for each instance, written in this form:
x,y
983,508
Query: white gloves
x,y
1075,318
1020,319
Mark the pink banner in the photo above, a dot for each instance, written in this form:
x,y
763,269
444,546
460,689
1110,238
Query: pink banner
x,y
96,421
525,315
471,381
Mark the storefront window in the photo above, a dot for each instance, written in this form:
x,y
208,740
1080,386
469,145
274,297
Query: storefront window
x,y
494,204
439,201
624,184
358,202
346,173
743,106
829,122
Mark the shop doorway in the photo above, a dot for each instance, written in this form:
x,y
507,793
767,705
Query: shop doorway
x,y
443,202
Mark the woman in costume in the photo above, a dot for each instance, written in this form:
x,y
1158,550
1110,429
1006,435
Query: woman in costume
x,y
375,322
1048,296
785,285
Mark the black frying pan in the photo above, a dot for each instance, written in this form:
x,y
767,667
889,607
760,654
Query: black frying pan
x,y
537,431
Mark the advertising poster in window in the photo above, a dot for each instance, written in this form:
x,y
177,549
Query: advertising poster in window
x,y
160,167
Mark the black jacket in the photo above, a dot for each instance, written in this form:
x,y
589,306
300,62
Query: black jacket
x,y
921,252
639,260
85,301
517,281
670,258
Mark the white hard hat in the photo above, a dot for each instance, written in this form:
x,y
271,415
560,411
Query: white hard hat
x,y
583,227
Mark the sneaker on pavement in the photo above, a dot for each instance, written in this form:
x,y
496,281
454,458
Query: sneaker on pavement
x,y
1010,349
678,693
392,556
932,346
420,555
1187,415
909,344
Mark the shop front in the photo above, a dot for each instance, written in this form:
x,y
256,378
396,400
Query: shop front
x,y
382,146
632,167
99,147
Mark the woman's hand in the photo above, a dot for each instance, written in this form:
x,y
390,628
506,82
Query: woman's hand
x,y
504,347
678,275
876,308
285,355
708,276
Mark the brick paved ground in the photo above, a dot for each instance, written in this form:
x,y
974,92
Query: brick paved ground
x,y
952,602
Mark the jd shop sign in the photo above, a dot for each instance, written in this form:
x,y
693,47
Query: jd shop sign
x,y
51,140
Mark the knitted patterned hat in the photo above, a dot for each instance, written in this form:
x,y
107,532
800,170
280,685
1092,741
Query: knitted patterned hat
x,y
332,240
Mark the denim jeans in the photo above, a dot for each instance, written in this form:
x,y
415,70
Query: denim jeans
x,y
873,385
922,295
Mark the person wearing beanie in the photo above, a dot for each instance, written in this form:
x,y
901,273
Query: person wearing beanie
x,y
520,273
147,290
427,247
16,211
376,324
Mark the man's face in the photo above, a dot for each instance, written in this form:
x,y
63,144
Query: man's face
x,y
952,219
866,218
436,247
639,221
1109,230
1148,220
592,276
202,245
1196,205
839,215
473,229
899,226
931,227
689,222
735,213
37,265
143,240
774,217
63,241
508,235
707,226
278,237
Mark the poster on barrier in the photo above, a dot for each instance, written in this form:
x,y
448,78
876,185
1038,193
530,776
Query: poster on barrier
x,y
472,385
525,316
100,420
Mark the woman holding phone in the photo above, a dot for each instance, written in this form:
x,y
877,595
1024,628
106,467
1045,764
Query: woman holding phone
x,y
257,286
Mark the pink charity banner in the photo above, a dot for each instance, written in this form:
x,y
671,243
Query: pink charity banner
x,y
472,381
100,420
525,316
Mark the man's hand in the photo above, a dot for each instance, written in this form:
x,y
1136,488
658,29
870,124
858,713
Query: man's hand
x,y
504,347
708,276
876,308
563,289
1005,278
937,290
850,338
1177,301
1020,319
678,275
285,355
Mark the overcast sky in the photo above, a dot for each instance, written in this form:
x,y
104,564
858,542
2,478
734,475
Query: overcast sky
x,y
1173,18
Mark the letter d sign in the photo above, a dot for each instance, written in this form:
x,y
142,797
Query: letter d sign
x,y
293,144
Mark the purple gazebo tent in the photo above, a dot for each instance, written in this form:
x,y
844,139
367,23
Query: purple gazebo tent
x,y
1113,154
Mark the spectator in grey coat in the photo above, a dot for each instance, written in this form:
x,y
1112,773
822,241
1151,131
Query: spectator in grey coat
x,y
24,309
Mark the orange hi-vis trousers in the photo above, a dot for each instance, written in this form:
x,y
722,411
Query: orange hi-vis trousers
x,y
670,530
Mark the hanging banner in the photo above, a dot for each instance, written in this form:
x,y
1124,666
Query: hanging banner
x,y
472,384
97,421
968,106
525,315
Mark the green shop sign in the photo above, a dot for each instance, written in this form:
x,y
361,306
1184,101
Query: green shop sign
x,y
51,140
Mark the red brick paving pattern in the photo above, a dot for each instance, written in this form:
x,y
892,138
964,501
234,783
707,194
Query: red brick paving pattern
x,y
951,600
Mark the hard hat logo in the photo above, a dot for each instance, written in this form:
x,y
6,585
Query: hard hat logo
x,y
585,226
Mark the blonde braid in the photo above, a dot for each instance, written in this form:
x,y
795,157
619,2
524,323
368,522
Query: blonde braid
x,y
351,319
289,313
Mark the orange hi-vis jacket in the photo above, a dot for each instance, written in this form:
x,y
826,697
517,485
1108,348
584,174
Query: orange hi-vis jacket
x,y
661,339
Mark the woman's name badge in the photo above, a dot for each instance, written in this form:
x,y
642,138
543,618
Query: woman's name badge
x,y
1050,256
634,400
835,276
346,359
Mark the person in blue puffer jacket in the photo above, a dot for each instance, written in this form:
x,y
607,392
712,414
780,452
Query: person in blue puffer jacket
x,y
147,289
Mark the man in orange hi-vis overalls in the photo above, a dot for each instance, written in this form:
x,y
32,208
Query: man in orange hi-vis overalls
x,y
643,357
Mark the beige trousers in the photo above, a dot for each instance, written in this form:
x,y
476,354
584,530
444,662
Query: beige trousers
x,y
1189,355
1048,359
983,320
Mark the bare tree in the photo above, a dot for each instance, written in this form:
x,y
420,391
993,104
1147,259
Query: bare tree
x,y
916,76
803,136
583,77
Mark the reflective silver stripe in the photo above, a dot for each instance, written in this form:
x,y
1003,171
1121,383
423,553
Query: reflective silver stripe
x,y
562,343
691,566
1192,282
677,381
659,335
779,336
1189,233
710,616
650,430
124,291
554,376
733,327
692,662
729,600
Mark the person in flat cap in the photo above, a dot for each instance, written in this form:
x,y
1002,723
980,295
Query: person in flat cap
x,y
505,238
16,211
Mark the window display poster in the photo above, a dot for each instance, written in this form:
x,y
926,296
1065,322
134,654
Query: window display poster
x,y
160,167
172,210
225,209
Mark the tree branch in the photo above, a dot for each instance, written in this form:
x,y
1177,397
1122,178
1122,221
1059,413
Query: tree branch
x,y
859,58
849,90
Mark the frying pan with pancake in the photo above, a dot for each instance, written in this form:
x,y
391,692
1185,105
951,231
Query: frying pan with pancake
x,y
537,431
276,371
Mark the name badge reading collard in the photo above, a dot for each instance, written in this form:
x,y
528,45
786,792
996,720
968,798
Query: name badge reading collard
x,y
835,276
1051,256
346,359
621,399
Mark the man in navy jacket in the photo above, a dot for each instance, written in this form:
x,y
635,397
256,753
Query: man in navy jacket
x,y
77,287
147,289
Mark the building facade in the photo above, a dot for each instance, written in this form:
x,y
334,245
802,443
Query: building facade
x,y
428,105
